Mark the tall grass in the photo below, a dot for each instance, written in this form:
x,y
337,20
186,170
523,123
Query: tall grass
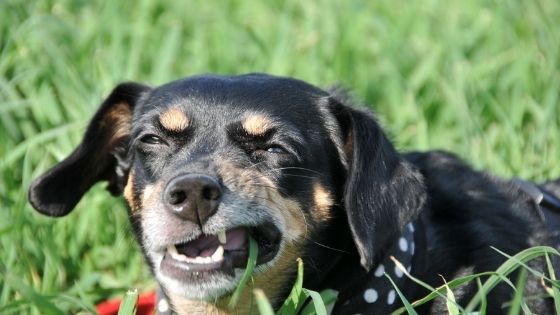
x,y
480,78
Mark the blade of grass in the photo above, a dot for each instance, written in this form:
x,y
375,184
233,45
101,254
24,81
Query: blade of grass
x,y
506,268
451,304
318,303
328,296
40,301
262,303
297,296
483,302
517,300
128,304
435,292
439,291
407,306
251,263
536,273
555,291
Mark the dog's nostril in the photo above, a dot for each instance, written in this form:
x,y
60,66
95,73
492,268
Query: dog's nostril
x,y
177,197
211,193
193,197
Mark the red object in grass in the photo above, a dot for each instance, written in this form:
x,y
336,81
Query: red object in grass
x,y
146,305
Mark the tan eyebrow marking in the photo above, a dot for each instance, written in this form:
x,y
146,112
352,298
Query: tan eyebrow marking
x,y
174,119
257,125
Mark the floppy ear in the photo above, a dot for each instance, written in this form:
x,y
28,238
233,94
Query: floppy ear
x,y
382,191
102,155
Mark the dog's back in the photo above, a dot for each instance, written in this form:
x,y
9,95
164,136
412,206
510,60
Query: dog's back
x,y
471,214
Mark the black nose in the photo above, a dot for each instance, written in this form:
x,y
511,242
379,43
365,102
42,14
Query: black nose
x,y
193,197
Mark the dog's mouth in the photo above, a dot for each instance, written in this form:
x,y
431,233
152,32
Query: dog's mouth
x,y
222,252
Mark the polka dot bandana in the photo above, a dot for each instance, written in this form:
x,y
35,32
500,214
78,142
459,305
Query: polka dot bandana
x,y
376,295
162,305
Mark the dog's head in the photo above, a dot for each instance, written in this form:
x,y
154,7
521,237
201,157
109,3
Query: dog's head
x,y
206,162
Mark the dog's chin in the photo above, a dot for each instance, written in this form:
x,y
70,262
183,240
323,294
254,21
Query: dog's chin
x,y
209,288
210,266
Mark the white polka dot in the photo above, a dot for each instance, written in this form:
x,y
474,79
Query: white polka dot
x,y
398,272
391,297
412,247
370,295
411,227
403,244
408,268
163,306
379,271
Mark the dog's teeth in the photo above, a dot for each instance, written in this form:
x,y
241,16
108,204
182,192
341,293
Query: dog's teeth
x,y
171,249
216,257
218,254
222,237
200,260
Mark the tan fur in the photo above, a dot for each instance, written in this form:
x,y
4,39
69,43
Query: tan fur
x,y
174,119
273,281
257,125
182,306
323,203
150,195
290,211
117,123
251,184
129,193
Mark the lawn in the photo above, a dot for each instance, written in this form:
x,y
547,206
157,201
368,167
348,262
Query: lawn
x,y
480,78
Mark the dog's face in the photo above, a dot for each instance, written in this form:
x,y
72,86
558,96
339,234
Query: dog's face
x,y
206,163
216,162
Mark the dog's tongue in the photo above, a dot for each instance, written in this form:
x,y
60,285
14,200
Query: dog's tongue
x,y
206,245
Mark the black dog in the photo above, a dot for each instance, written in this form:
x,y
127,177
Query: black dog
x,y
207,162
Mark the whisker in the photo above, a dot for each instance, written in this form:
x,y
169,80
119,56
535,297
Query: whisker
x,y
328,247
295,168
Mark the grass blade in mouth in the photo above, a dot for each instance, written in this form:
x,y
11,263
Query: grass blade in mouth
x,y
251,263
128,305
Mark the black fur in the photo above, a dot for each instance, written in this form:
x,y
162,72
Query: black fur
x,y
378,181
375,190
58,191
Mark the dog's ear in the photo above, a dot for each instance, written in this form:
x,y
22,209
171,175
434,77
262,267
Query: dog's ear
x,y
382,191
102,155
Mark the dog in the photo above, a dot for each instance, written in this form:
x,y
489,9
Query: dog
x,y
207,162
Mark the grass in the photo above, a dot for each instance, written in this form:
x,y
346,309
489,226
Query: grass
x,y
480,78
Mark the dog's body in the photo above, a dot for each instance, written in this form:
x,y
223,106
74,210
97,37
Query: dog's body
x,y
207,162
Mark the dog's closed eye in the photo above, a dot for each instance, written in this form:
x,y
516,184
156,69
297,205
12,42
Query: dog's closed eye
x,y
152,139
276,149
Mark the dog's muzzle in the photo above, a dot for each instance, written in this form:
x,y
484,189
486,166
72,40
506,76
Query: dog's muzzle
x,y
196,198
193,197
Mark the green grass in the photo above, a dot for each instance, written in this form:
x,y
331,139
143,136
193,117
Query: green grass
x,y
480,78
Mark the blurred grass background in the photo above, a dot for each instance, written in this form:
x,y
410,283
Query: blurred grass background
x,y
480,78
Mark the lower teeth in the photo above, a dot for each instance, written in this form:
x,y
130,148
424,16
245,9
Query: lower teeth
x,y
216,257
